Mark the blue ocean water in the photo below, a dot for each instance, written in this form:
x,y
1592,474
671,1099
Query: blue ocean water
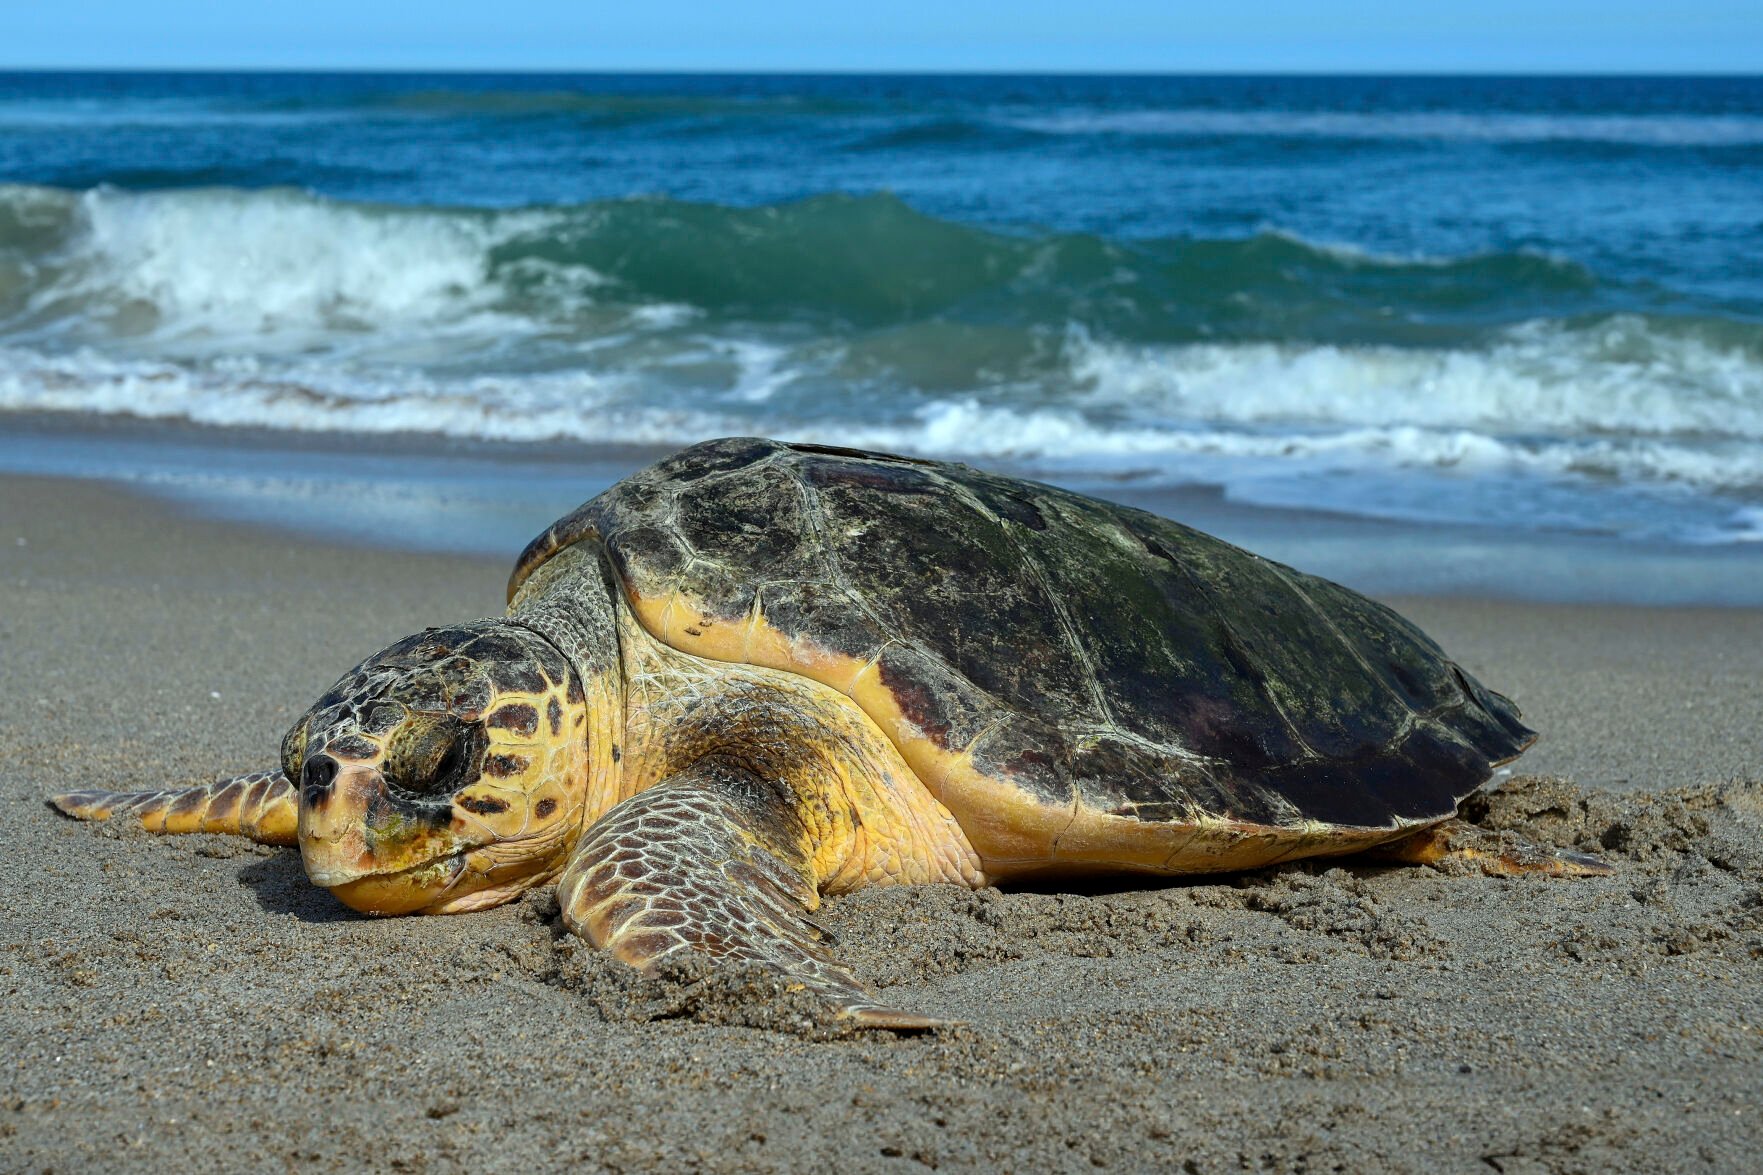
x,y
1529,303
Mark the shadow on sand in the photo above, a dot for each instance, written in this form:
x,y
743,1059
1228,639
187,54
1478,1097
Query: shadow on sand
x,y
280,886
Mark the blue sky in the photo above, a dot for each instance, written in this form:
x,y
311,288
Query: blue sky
x,y
1084,35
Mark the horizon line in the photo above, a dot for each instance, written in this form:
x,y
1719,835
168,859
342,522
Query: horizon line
x,y
841,71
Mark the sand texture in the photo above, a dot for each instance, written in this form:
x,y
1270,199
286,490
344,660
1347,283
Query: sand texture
x,y
192,1004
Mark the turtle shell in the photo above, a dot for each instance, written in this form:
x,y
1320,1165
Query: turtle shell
x,y
1079,682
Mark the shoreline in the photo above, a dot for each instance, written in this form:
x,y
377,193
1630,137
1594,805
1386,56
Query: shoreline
x,y
427,493
191,1001
1581,672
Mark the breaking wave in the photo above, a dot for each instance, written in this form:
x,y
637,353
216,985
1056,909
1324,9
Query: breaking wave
x,y
1283,369
272,268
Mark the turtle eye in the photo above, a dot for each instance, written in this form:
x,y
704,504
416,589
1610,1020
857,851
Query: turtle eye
x,y
432,755
450,762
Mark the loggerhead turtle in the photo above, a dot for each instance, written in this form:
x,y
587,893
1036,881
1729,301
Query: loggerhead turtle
x,y
757,673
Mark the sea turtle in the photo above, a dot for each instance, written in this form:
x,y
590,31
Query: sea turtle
x,y
758,673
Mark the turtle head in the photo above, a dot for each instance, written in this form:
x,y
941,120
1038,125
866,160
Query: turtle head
x,y
446,773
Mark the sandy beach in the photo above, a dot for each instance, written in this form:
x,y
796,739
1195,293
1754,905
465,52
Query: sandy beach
x,y
193,1004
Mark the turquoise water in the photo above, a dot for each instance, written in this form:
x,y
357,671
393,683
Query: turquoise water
x,y
1531,304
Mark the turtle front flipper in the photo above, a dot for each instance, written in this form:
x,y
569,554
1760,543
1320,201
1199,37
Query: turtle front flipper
x,y
261,805
714,860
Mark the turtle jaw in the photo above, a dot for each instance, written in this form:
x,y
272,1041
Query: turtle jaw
x,y
456,883
381,860
374,858
402,891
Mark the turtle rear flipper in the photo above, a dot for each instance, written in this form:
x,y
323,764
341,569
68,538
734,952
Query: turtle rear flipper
x,y
1498,854
261,805
714,860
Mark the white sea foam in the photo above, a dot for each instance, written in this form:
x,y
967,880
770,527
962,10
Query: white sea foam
x,y
208,272
1170,414
1621,376
1066,441
280,267
1659,488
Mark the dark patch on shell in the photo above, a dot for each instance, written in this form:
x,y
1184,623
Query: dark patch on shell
x,y
503,766
554,713
1037,764
1414,779
647,554
889,479
544,807
1014,505
825,612
859,454
1152,546
918,704
714,457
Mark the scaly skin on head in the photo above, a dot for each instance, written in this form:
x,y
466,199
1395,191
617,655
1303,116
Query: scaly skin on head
x,y
447,773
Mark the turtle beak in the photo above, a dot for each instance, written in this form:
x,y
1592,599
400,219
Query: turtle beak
x,y
356,843
335,800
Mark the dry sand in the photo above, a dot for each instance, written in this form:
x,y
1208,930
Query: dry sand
x,y
192,1004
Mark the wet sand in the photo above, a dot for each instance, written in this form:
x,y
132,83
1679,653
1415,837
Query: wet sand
x,y
191,1003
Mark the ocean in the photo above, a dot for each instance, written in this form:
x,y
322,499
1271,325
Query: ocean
x,y
1531,305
